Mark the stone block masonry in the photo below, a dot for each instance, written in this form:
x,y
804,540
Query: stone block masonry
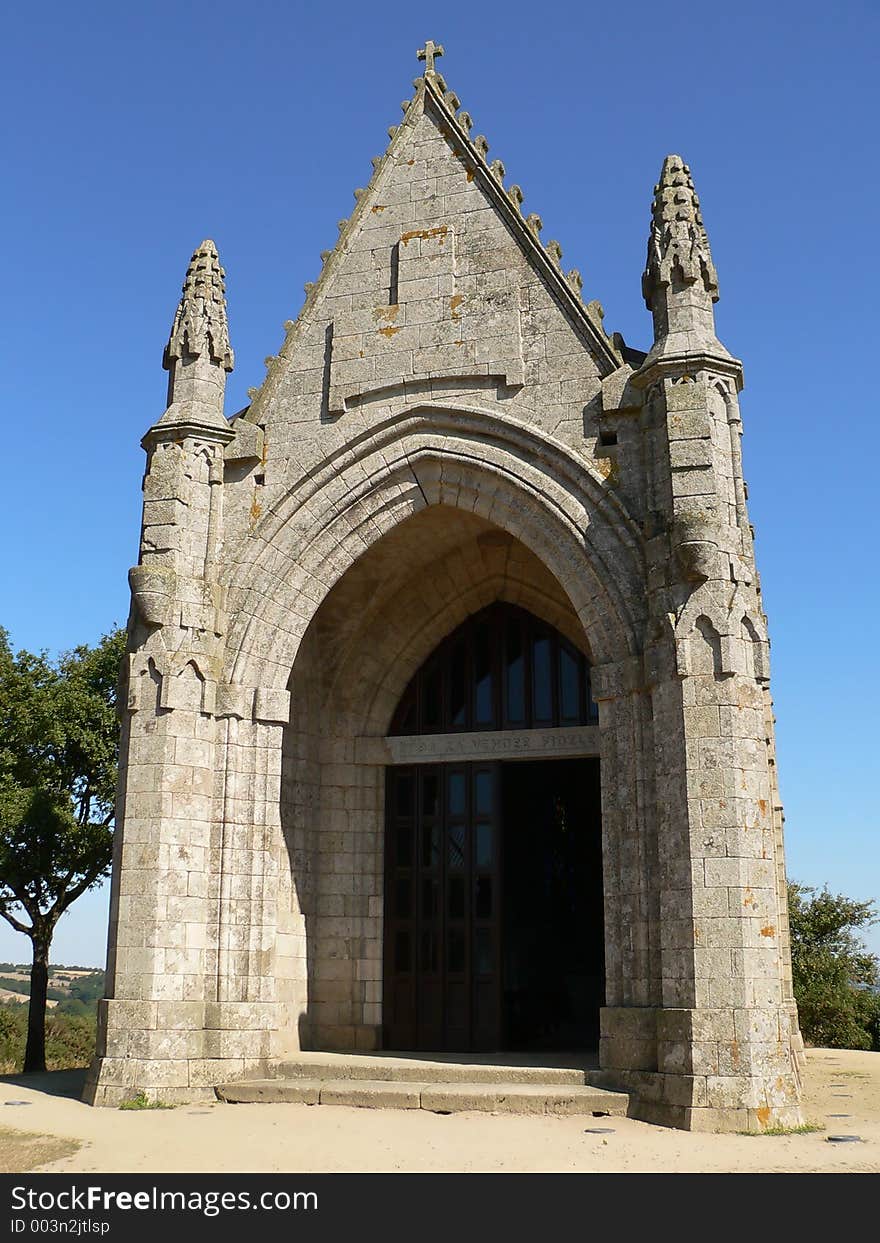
x,y
447,424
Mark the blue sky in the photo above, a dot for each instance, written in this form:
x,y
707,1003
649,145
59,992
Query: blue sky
x,y
134,131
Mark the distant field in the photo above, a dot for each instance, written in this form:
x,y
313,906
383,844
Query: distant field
x,y
20,998
71,1008
55,973
24,969
75,989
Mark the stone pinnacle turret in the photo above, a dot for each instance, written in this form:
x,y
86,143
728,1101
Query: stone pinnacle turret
x,y
200,325
198,354
680,283
678,247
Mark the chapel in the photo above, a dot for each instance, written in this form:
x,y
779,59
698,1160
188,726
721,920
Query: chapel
x,y
447,728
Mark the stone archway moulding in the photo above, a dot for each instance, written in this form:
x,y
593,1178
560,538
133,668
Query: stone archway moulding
x,y
530,486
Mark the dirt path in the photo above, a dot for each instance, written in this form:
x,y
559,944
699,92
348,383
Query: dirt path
x,y
293,1138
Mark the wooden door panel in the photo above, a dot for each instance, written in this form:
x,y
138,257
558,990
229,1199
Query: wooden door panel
x,y
442,908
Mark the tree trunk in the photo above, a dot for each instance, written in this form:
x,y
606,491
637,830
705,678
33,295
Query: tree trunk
x,y
35,1051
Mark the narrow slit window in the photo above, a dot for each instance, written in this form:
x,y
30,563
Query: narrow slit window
x,y
395,270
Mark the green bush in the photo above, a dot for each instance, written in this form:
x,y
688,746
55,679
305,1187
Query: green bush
x,y
89,989
835,977
70,1039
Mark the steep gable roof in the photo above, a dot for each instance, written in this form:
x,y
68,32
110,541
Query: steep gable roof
x,y
434,100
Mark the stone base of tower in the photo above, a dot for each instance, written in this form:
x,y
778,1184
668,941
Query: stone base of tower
x,y
699,1070
177,1052
681,1067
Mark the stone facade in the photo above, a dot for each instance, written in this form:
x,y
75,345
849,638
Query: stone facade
x,y
446,424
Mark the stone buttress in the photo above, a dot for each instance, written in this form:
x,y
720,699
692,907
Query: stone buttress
x,y
447,423
726,1033
173,921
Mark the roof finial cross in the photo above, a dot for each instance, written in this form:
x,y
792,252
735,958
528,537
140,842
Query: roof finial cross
x,y
428,54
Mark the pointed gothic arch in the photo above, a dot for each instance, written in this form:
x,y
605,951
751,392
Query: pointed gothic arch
x,y
464,458
350,674
501,669
457,434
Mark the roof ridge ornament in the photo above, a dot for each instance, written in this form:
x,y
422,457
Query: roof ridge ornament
x,y
429,54
473,150
477,147
481,146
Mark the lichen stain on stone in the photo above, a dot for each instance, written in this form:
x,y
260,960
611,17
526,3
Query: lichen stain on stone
x,y
462,158
454,303
439,231
256,509
386,313
762,806
608,469
768,931
378,207
763,1114
749,897
389,332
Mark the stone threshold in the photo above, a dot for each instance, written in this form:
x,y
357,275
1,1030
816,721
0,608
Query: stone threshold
x,y
450,1097
556,1068
539,1083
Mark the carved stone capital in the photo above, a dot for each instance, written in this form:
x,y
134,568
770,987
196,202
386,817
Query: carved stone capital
x,y
154,592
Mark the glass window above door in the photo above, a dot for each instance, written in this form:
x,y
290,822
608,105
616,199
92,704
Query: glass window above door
x,y
503,668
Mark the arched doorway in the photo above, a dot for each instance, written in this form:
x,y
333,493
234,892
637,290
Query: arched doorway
x,y
394,607
493,866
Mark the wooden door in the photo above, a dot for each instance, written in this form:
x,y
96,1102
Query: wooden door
x,y
442,908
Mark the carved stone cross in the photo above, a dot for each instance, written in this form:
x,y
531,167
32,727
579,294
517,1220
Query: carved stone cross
x,y
428,53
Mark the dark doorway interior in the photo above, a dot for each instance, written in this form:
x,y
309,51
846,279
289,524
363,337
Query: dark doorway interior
x,y
493,906
552,968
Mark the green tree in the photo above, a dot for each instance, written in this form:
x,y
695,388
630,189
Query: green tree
x,y
59,749
835,976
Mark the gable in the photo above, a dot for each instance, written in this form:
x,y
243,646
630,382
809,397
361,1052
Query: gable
x,y
436,278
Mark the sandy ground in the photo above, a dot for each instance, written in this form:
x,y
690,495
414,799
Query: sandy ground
x,y
842,1093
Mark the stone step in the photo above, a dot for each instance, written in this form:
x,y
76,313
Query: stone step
x,y
492,1097
435,1069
